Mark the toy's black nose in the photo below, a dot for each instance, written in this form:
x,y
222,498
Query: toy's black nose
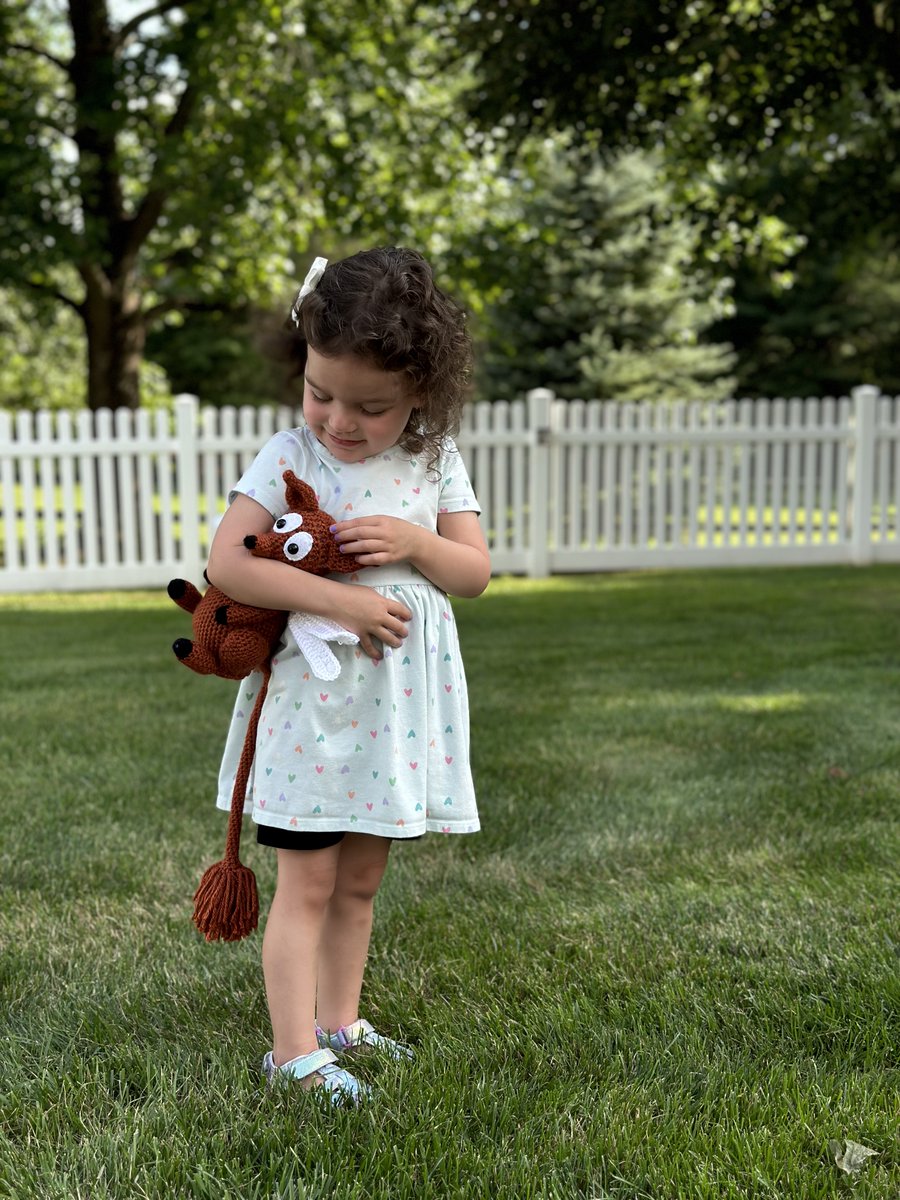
x,y
182,647
250,541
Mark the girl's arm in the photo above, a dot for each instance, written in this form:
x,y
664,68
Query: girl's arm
x,y
455,559
268,583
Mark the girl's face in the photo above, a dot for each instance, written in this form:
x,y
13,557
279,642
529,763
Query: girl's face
x,y
355,409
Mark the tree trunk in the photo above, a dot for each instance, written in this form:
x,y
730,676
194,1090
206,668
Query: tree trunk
x,y
111,308
116,334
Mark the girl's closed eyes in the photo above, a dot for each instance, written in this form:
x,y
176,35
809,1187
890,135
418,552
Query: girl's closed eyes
x,y
355,408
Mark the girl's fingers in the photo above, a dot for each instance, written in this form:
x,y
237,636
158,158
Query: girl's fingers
x,y
369,644
369,648
394,628
382,625
362,546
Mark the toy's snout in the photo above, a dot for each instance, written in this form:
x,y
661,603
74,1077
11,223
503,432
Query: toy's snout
x,y
291,547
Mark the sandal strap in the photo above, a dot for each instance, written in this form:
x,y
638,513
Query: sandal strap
x,y
362,1033
307,1064
300,1067
342,1085
348,1036
336,1081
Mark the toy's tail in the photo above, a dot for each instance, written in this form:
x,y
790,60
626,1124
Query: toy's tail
x,y
226,904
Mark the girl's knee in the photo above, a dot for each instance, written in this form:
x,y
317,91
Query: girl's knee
x,y
306,878
358,884
361,869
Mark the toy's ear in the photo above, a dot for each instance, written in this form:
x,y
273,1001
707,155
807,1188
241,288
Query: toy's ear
x,y
298,493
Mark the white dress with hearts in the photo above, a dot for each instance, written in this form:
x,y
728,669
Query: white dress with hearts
x,y
384,747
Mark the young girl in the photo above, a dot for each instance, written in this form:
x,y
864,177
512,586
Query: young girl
x,y
342,769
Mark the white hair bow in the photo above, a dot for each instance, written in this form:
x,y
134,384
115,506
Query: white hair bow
x,y
310,283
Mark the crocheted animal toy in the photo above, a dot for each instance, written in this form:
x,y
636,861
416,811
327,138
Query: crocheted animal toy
x,y
232,640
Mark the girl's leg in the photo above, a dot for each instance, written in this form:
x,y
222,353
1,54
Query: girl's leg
x,y
344,945
291,946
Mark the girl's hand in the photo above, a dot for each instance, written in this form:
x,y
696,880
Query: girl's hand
x,y
370,615
455,558
377,541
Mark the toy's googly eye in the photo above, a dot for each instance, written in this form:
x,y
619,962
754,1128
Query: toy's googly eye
x,y
288,523
297,547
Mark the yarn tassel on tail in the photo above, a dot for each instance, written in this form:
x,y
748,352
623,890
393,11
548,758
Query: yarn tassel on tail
x,y
226,903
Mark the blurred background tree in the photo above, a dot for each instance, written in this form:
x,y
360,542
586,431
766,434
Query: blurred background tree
x,y
620,191
171,160
779,126
597,286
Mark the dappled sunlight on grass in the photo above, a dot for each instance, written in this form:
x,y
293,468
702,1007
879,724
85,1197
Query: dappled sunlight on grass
x,y
63,602
778,702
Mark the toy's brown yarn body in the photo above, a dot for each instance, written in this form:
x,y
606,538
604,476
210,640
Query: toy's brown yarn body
x,y
232,640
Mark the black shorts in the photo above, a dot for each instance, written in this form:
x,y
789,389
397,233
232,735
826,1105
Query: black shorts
x,y
303,839
296,839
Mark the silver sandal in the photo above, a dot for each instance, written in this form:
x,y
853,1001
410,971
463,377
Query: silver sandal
x,y
338,1084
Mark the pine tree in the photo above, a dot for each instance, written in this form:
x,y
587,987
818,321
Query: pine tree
x,y
603,298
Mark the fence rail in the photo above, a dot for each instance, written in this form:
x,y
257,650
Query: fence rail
x,y
130,499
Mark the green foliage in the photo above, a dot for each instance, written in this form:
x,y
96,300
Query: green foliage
x,y
183,169
780,125
833,323
218,357
43,352
42,365
598,293
186,127
188,158
745,81
252,128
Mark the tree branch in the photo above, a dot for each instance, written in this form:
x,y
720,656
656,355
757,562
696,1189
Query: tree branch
x,y
57,62
185,253
175,304
182,113
151,206
132,26
97,124
47,289
64,131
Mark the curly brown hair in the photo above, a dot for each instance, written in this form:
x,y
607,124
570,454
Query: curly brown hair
x,y
382,305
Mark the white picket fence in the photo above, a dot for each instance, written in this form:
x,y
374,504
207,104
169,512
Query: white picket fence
x,y
130,499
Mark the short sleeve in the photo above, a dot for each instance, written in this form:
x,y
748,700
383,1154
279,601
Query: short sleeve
x,y
456,493
263,480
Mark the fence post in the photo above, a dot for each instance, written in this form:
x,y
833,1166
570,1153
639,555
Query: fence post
x,y
863,473
540,410
188,492
9,559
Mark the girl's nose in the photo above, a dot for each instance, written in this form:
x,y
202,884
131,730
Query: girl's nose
x,y
341,421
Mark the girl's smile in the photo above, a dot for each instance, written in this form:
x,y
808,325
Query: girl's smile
x,y
355,409
350,443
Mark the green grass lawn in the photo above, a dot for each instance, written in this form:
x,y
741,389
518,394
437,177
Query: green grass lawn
x,y
667,967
